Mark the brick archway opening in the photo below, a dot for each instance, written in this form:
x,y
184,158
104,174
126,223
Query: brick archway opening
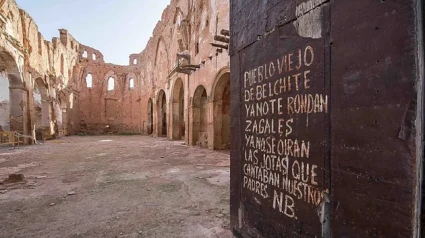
x,y
222,113
162,114
42,110
150,116
200,119
178,111
13,96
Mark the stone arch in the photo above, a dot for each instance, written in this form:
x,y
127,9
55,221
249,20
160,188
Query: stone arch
x,y
5,103
111,83
178,122
160,43
199,117
161,103
136,82
111,74
83,80
161,61
150,116
221,110
42,109
62,113
13,95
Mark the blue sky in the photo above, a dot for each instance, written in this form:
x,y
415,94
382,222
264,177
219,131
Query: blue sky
x,y
117,28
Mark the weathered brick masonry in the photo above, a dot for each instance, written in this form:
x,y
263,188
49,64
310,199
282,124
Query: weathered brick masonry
x,y
38,95
177,87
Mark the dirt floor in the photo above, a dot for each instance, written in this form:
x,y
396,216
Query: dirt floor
x,y
114,186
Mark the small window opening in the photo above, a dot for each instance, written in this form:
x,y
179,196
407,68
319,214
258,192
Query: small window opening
x,y
134,61
89,81
179,19
197,48
85,54
62,64
111,83
131,83
94,56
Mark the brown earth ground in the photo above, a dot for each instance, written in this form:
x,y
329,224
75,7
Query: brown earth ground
x,y
114,186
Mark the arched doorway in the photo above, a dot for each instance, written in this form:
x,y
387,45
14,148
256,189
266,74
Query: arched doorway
x,y
62,114
13,96
178,123
162,114
222,112
200,119
150,117
4,103
41,110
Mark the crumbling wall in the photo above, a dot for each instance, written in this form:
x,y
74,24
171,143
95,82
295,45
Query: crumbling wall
x,y
103,111
185,28
180,39
27,57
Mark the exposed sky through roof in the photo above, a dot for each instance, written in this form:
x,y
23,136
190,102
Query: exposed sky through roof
x,y
116,28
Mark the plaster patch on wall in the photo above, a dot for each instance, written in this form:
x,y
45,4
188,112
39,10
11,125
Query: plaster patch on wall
x,y
309,19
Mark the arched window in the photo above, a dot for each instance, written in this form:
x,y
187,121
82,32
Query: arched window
x,y
94,56
85,54
89,81
131,83
179,19
134,61
111,83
